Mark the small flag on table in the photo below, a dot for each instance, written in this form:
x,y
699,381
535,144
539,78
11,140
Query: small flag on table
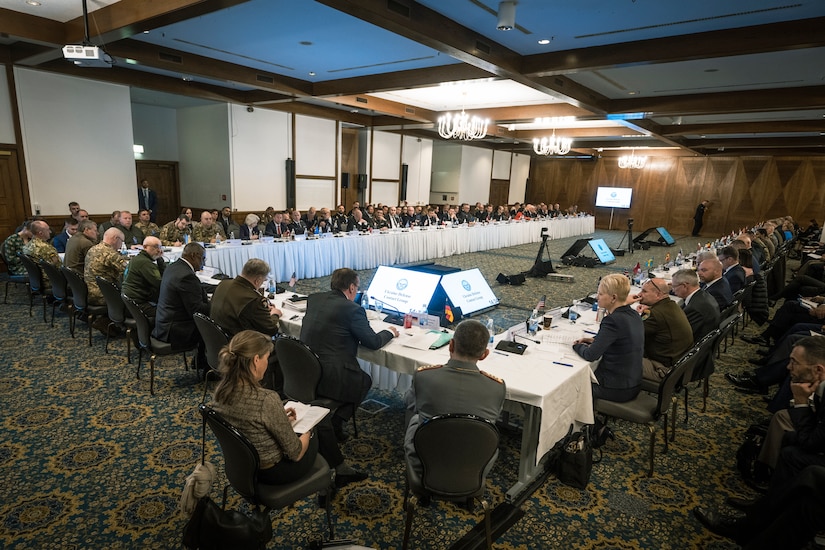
x,y
542,303
293,280
448,313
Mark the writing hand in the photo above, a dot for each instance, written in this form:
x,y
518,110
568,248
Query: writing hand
x,y
291,414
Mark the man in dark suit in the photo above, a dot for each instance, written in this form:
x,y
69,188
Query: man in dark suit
x,y
701,309
181,296
147,200
710,274
276,228
699,217
333,327
69,229
732,271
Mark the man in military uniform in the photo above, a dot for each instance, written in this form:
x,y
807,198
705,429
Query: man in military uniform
x,y
104,260
146,225
458,387
141,280
112,222
173,233
79,245
12,247
207,231
39,247
132,235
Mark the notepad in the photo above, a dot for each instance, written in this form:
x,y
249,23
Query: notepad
x,y
308,416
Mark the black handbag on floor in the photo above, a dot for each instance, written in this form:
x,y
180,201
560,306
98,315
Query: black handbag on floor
x,y
576,458
211,528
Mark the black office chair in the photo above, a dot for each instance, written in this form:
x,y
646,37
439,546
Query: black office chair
x,y
455,450
647,408
60,287
730,319
80,307
10,278
116,312
146,342
214,338
241,464
302,373
36,285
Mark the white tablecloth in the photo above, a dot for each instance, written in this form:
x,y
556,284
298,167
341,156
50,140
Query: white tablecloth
x,y
319,257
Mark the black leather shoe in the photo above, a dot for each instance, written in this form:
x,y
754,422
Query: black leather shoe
x,y
746,384
743,504
756,340
763,352
717,523
759,362
759,486
342,480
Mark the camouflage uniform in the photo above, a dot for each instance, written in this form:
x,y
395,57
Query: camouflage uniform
x,y
102,261
170,234
41,250
150,229
203,234
12,247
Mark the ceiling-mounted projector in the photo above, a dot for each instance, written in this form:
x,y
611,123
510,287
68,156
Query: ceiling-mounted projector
x,y
86,55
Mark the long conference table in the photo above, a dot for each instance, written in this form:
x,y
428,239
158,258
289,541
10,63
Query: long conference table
x,y
310,258
549,383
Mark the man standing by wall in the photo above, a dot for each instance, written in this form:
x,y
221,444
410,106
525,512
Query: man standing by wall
x,y
698,217
147,200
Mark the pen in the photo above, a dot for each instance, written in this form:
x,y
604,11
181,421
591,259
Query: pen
x,y
591,332
501,353
293,317
562,364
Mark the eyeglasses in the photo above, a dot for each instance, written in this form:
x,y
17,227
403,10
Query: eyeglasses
x,y
654,285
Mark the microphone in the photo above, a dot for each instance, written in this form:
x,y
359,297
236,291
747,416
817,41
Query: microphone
x,y
395,317
525,338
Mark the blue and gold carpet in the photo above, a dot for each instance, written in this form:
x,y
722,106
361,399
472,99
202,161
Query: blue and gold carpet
x,y
89,459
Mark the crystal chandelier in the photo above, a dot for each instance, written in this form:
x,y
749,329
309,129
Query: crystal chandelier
x,y
553,145
632,161
462,126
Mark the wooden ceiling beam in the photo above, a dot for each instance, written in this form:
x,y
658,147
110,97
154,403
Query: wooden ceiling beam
x,y
196,65
770,126
386,107
782,36
31,28
398,80
757,142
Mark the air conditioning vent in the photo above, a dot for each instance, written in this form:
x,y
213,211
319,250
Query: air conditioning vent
x,y
170,57
264,78
361,100
482,47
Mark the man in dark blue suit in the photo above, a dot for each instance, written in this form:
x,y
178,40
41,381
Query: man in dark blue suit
x,y
710,273
147,200
69,229
333,327
732,271
181,296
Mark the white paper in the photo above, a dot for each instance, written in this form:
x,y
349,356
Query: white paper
x,y
419,339
307,416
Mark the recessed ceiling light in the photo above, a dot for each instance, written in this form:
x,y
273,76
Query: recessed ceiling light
x,y
544,41
32,3
311,73
187,78
146,32
131,61
632,92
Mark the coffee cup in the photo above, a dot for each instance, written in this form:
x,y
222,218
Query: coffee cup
x,y
548,321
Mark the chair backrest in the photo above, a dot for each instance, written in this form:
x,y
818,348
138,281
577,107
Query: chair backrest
x,y
727,324
144,328
672,382
704,354
301,368
80,291
111,295
34,271
241,461
214,337
729,309
60,287
454,450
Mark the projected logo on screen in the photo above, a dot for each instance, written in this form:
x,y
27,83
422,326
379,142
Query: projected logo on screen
x,y
613,195
466,285
402,284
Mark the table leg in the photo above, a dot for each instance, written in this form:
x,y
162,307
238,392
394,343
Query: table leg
x,y
527,468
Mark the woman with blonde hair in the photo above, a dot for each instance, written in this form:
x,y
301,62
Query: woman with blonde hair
x,y
260,415
619,343
249,229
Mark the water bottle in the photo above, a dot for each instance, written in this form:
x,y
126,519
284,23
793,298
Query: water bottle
x,y
123,248
365,302
317,230
271,286
186,238
491,328
217,238
533,323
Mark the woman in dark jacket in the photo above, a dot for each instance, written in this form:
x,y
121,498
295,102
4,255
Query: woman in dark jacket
x,y
619,343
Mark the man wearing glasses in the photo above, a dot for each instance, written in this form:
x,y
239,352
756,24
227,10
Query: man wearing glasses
x,y
700,308
668,334
141,280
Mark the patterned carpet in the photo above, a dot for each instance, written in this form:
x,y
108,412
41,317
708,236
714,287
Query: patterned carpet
x,y
90,460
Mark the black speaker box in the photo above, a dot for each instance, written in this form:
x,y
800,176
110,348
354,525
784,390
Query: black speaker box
x,y
405,169
344,180
290,183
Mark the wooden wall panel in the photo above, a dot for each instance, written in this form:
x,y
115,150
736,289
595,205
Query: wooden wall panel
x,y
742,191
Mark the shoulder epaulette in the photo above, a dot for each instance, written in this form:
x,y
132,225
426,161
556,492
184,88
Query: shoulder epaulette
x,y
428,367
491,377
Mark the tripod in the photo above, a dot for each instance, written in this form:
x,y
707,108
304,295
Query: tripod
x,y
629,236
542,267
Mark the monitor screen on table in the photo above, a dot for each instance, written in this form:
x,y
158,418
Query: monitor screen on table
x,y
602,251
469,291
665,234
401,289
